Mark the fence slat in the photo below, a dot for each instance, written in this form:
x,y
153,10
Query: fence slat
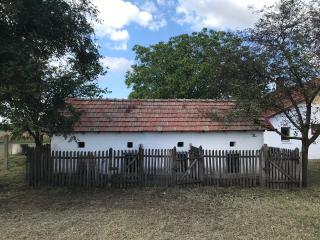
x,y
268,167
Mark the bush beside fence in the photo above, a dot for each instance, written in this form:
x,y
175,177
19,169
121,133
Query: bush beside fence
x,y
270,167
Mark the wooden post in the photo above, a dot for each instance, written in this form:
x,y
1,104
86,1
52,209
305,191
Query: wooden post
x,y
174,166
263,159
300,169
201,165
28,165
109,170
141,165
6,151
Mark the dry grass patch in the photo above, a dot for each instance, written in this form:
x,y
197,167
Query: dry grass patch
x,y
155,213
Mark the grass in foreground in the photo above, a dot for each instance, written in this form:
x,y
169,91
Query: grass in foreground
x,y
155,213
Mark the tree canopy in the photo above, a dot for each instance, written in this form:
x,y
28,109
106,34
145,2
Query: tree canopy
x,y
205,64
48,53
288,37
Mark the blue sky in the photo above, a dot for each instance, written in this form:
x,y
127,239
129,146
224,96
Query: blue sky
x,y
125,23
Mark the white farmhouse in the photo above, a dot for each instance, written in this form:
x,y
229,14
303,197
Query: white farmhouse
x,y
164,124
280,122
125,124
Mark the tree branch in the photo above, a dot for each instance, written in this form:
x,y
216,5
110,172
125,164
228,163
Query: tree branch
x,y
315,94
314,136
31,133
295,105
288,137
291,120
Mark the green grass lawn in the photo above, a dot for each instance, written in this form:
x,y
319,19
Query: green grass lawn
x,y
155,213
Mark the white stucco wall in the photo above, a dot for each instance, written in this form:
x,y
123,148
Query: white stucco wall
x,y
214,140
273,139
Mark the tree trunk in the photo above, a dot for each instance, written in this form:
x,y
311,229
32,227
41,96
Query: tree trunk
x,y
304,155
38,139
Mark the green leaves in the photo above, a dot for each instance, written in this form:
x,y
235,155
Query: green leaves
x,y
34,35
206,64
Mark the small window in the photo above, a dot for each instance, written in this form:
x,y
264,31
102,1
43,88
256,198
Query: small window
x,y
232,144
180,144
285,133
129,144
81,144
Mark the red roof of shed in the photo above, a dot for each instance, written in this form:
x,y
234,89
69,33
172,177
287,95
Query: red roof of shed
x,y
110,115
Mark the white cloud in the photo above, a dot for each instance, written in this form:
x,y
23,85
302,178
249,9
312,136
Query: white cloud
x,y
156,25
232,14
116,15
117,45
149,6
117,64
119,35
145,18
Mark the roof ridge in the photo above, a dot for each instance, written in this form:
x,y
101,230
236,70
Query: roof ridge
x,y
152,100
156,115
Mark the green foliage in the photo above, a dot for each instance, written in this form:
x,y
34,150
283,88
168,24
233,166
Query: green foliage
x,y
47,54
207,64
288,38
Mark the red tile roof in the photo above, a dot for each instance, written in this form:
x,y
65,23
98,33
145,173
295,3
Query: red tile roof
x,y
106,115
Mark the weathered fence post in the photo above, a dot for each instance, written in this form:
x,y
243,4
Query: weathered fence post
x,y
87,162
109,170
263,159
6,151
141,165
201,165
174,166
28,169
300,170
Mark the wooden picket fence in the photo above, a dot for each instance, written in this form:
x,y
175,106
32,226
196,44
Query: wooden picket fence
x,y
282,168
269,167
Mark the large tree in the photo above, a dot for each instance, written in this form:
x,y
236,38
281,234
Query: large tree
x,y
48,53
200,65
287,36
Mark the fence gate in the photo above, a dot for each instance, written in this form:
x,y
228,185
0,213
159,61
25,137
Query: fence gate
x,y
190,168
282,168
130,166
